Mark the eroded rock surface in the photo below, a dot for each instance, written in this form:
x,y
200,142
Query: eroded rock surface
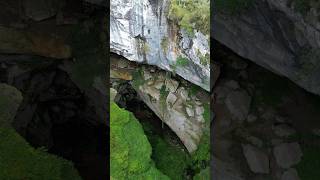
x,y
140,31
276,36
179,104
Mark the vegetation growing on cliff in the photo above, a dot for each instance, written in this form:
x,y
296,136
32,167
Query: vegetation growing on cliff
x,y
191,14
181,61
165,44
201,157
232,7
130,150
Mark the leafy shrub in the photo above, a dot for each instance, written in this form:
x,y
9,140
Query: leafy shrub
x,y
191,14
130,148
137,78
203,175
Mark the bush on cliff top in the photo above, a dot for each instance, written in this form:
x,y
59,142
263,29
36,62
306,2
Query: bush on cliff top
x,y
191,14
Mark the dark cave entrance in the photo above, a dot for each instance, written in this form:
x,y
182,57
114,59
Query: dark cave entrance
x,y
57,115
163,140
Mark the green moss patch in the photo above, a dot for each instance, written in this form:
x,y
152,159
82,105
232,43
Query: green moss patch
x,y
130,149
170,157
18,160
181,61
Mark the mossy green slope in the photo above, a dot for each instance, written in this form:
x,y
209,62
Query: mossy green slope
x,y
130,148
18,160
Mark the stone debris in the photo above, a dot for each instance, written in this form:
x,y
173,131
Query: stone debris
x,y
287,154
257,160
238,103
290,174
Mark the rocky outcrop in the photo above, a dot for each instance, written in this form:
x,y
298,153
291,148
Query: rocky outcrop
x,y
140,31
179,104
275,35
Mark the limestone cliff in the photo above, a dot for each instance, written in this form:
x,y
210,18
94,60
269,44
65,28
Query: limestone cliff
x,y
140,31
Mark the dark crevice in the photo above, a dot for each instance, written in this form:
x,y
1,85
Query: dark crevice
x,y
57,115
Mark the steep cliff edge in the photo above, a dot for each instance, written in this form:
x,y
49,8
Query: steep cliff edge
x,y
141,31
282,36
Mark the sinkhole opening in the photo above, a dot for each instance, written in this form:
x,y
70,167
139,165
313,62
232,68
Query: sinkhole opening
x,y
168,152
57,115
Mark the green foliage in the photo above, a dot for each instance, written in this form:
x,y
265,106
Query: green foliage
x,y
137,78
181,61
130,149
191,14
204,60
163,96
88,47
18,160
203,175
201,156
193,89
165,44
233,7
170,158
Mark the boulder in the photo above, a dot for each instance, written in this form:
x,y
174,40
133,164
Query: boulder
x,y
290,174
257,160
287,154
238,103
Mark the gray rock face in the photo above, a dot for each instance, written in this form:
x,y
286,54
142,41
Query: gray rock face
x,y
10,99
139,32
238,103
290,174
275,36
183,116
257,160
224,170
287,154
